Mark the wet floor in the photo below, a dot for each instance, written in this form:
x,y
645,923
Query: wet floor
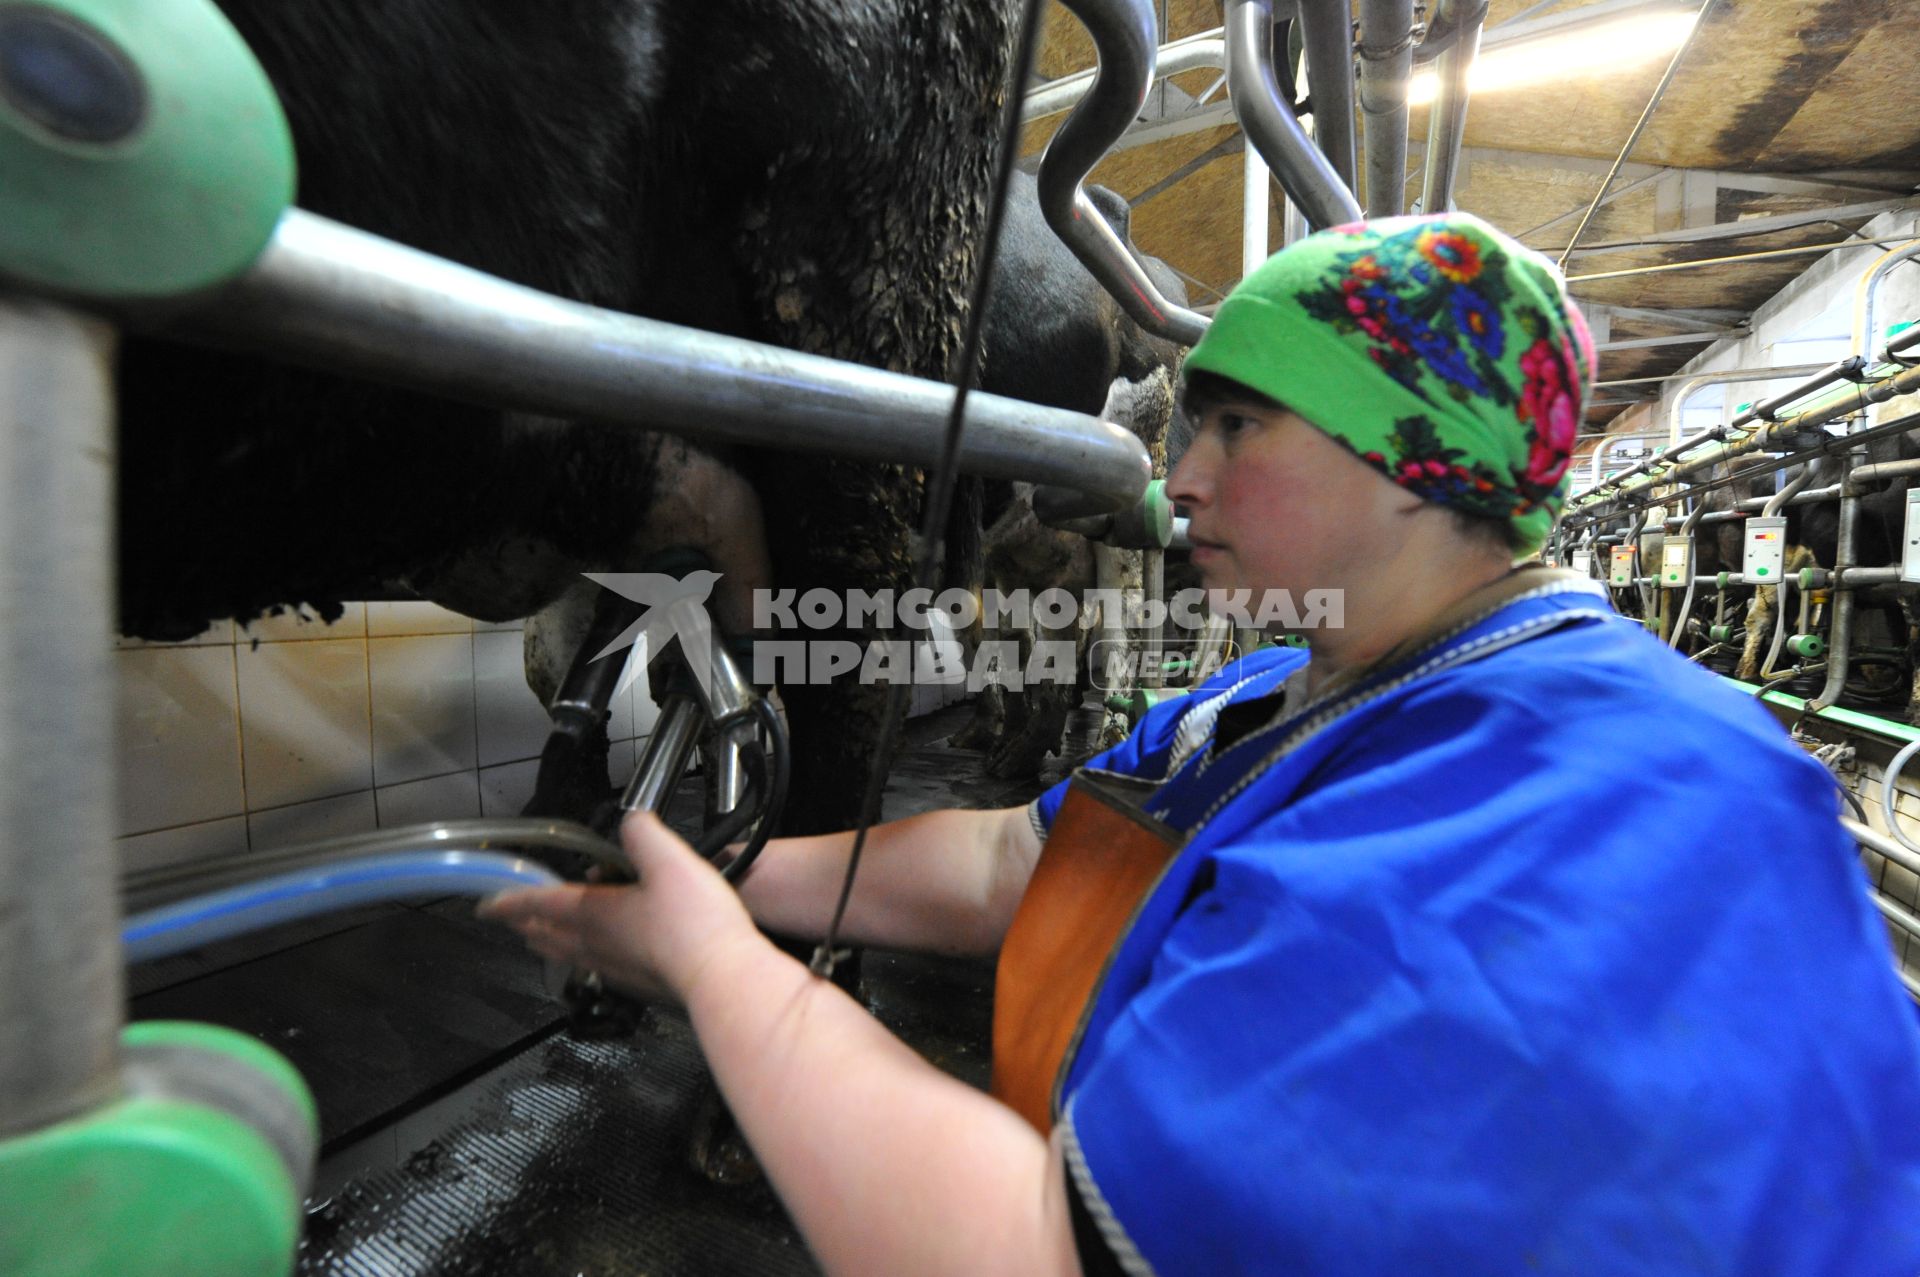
x,y
608,1155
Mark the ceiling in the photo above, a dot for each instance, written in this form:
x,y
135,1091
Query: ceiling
x,y
1794,111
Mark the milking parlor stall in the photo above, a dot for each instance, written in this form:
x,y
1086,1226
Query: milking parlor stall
x,y
429,433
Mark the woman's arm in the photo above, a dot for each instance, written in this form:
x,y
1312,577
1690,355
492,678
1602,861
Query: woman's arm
x,y
887,1164
945,882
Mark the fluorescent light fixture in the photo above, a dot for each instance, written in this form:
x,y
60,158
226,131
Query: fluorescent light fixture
x,y
1602,46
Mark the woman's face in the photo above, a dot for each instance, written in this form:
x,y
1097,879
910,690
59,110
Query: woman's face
x,y
1275,504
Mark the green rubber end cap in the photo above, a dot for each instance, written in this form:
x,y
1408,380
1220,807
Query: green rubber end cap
x,y
144,150
146,1186
1156,511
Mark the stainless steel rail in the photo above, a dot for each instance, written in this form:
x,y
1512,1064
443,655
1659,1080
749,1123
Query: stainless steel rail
x,y
330,296
1309,180
1123,34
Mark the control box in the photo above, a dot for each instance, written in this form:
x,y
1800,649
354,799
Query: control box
x,y
1582,563
1622,566
1910,547
1766,551
1676,562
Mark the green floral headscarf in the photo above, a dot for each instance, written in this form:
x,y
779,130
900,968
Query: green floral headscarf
x,y
1443,353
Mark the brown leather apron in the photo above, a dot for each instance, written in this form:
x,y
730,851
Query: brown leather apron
x,y
1101,859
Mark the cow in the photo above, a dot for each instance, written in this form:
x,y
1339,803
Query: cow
x,y
1053,335
814,174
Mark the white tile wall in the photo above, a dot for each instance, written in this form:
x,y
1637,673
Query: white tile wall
x,y
304,720
290,729
423,706
512,725
179,737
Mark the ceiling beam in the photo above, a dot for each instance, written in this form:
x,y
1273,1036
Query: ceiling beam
x,y
1676,339
1714,320
1750,226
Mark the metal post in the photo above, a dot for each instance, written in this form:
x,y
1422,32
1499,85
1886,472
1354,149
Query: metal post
x,y
1447,123
1326,33
1386,64
1253,211
60,999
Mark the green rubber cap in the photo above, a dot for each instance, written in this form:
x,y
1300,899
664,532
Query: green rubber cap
x,y
1157,512
153,1185
146,1186
144,150
1808,646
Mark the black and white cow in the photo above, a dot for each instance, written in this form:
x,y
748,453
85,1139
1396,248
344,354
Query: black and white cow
x,y
813,173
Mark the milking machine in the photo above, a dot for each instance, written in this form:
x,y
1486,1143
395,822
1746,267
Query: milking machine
x,y
1765,439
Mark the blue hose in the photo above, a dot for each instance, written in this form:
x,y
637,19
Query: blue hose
x,y
323,889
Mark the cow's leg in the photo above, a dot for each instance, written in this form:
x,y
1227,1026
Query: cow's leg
x,y
1759,632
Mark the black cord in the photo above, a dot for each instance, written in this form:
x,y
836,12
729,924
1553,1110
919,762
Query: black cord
x,y
781,769
942,479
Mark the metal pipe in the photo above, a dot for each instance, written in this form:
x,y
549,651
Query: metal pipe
x,y
1205,51
1385,67
664,761
1881,844
1840,629
1608,443
1686,388
1712,436
1731,259
1847,369
1868,291
1639,127
1305,174
60,1000
1124,36
1326,35
1447,121
1860,476
1253,210
329,296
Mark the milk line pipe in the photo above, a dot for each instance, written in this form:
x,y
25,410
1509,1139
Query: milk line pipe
x,y
323,889
1683,392
1309,180
1770,462
1867,293
1814,578
1124,36
1681,446
1772,510
1686,605
329,296
1853,368
1853,400
1899,852
1840,627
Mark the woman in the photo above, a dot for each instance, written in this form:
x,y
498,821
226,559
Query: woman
x,y
1490,939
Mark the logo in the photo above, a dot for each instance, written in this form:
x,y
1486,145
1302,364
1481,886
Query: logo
x,y
676,608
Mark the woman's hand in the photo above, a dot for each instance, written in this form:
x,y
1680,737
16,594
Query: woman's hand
x,y
653,937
